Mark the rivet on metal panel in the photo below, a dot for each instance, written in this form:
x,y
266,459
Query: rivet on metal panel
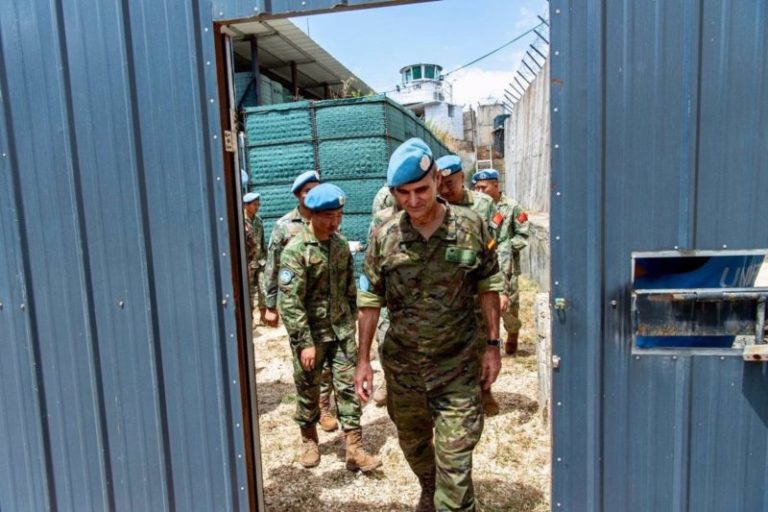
x,y
255,9
557,146
234,382
559,459
558,194
555,109
674,358
215,136
23,307
555,361
4,155
557,237
559,404
223,302
557,283
676,247
221,13
231,335
637,357
1,306
207,63
557,52
242,488
237,425
557,11
239,455
221,219
121,304
725,246
558,504
218,178
205,29
223,255
722,358
614,303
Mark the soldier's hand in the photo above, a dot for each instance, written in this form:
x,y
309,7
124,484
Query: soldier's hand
x,y
307,358
503,302
270,317
364,380
491,365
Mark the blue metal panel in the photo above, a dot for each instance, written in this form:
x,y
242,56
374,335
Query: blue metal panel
x,y
659,119
119,378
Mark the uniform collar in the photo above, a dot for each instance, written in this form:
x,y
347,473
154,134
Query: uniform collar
x,y
295,216
310,238
467,198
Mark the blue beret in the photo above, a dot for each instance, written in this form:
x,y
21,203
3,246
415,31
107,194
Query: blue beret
x,y
325,196
251,197
486,174
409,162
449,164
304,178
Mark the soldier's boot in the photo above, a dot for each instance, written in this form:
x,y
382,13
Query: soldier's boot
x,y
310,450
427,498
510,346
357,457
490,406
327,420
380,395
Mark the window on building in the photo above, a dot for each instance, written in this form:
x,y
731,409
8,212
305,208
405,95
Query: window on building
x,y
451,109
417,73
407,75
429,72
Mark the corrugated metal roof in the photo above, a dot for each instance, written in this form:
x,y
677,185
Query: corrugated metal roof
x,y
281,42
660,120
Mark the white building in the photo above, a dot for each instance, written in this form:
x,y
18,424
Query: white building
x,y
424,92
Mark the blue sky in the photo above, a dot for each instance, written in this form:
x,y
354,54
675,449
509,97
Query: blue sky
x,y
375,43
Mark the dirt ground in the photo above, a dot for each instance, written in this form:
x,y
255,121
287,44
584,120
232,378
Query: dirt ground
x,y
511,463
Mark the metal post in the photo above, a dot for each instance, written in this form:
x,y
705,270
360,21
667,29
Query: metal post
x,y
294,80
255,69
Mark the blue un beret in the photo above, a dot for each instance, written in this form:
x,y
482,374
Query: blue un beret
x,y
486,174
325,196
304,178
449,164
251,197
409,162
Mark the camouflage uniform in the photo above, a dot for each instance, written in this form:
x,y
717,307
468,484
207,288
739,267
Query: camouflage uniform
x,y
256,257
483,205
430,359
380,217
382,199
515,238
286,228
317,303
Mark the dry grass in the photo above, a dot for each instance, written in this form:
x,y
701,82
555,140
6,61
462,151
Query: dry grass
x,y
511,463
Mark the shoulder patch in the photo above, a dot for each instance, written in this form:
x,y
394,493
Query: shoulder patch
x,y
363,283
497,220
522,217
285,276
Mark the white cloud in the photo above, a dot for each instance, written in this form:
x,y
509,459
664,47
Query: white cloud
x,y
473,85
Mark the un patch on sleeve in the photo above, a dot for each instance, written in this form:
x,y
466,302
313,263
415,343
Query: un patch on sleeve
x,y
285,276
363,283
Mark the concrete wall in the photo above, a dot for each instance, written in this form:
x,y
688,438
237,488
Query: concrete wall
x,y
441,115
485,116
526,146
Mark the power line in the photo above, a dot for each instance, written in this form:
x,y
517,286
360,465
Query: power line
x,y
498,49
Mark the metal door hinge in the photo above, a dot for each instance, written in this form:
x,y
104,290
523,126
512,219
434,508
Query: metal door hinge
x,y
229,141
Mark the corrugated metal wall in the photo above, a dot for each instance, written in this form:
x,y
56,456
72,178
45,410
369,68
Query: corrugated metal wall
x,y
119,378
659,127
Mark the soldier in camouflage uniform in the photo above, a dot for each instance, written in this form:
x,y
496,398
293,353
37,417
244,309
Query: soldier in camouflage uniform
x,y
453,190
317,302
286,227
516,224
255,250
427,265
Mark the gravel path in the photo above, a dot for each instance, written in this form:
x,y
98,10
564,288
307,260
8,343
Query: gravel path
x,y
511,463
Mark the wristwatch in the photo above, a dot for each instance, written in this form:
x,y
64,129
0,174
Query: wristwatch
x,y
494,343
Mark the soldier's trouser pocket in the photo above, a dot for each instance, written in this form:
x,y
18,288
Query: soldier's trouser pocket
x,y
308,386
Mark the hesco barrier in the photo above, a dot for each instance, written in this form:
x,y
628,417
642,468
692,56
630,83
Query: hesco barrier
x,y
347,141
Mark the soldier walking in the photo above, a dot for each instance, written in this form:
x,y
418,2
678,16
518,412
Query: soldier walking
x,y
428,265
516,224
255,250
286,227
317,302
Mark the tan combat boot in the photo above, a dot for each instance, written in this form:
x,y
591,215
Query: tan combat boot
x,y
510,346
309,450
357,457
427,498
327,420
380,395
490,406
